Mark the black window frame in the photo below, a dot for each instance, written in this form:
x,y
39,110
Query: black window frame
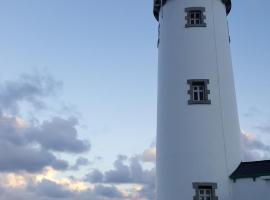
x,y
194,11
197,186
198,83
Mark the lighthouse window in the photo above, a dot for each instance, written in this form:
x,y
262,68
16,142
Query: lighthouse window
x,y
198,91
195,17
205,191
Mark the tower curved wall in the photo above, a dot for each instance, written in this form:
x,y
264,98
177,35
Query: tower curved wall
x,y
195,143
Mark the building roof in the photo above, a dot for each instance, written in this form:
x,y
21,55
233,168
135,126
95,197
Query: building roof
x,y
252,170
157,6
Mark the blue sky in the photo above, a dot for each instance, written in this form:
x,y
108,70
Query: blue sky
x,y
104,55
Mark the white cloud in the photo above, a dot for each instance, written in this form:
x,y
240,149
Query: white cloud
x,y
253,148
149,155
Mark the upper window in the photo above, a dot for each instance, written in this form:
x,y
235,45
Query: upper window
x,y
198,91
195,17
205,191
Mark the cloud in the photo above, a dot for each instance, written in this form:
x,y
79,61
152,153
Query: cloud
x,y
46,187
252,111
11,130
31,88
107,191
59,135
21,154
80,162
51,189
16,194
130,171
95,176
147,192
121,173
27,158
31,145
263,128
149,155
253,148
28,170
124,173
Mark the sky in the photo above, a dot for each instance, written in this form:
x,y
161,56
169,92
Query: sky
x,y
78,87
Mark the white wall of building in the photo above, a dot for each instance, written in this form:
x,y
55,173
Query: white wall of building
x,y
247,189
195,143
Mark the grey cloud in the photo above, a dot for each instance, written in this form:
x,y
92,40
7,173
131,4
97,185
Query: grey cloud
x,y
16,153
31,147
138,174
148,192
263,128
80,162
31,88
107,191
95,176
16,158
254,149
9,131
48,188
16,194
58,135
130,171
257,145
120,174
252,111
124,173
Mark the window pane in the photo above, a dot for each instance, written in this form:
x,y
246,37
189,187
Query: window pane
x,y
196,96
201,191
201,198
197,15
208,192
201,96
199,93
208,198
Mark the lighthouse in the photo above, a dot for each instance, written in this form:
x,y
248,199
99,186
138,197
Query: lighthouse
x,y
198,134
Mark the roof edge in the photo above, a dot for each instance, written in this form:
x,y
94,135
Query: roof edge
x,y
255,171
253,176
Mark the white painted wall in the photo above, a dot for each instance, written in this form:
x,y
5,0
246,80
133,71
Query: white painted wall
x,y
195,143
247,189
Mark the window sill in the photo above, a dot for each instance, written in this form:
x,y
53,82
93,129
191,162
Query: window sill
x,y
206,102
195,25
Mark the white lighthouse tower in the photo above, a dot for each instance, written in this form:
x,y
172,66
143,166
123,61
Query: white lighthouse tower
x,y
198,134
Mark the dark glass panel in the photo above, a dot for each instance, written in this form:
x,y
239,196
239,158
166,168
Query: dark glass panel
x,y
196,96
